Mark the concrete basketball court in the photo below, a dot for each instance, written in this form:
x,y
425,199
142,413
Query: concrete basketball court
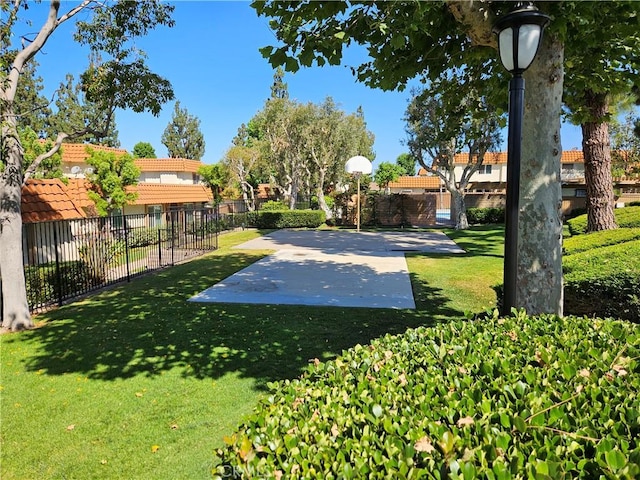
x,y
341,268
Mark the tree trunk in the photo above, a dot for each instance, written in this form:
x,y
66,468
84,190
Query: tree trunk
x,y
597,165
320,192
15,308
460,209
539,288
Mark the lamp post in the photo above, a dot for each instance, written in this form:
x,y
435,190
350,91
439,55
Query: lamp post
x,y
519,37
358,166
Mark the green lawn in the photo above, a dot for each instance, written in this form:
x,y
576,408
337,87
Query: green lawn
x,y
137,383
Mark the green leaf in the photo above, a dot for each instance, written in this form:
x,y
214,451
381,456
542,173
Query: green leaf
x,y
615,459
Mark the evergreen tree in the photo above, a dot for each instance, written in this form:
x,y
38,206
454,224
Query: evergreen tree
x,y
75,113
183,137
31,108
143,150
279,88
407,163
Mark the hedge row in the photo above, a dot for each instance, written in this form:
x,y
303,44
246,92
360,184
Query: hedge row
x,y
582,243
628,217
521,397
476,216
604,281
289,219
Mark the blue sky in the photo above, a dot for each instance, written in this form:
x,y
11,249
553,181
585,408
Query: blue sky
x,y
211,58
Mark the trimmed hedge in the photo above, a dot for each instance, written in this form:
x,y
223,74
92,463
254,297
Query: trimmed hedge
x,y
604,281
582,243
477,216
289,219
520,397
627,217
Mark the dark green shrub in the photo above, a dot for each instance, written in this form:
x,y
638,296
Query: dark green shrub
x,y
521,397
476,216
142,237
604,281
289,219
628,217
581,243
633,204
273,205
46,286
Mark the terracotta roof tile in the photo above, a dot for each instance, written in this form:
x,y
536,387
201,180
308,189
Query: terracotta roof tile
x,y
48,199
416,182
568,156
168,165
77,152
160,193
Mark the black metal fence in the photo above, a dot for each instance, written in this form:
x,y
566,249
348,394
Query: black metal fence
x,y
68,258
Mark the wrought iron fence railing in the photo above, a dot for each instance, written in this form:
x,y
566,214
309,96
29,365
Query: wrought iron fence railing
x,y
69,258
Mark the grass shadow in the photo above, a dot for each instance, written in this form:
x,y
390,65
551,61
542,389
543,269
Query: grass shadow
x,y
147,327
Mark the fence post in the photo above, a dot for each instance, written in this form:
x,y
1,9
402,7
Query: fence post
x,y
173,233
58,272
159,247
126,247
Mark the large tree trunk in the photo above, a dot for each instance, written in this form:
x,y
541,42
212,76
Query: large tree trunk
x,y
597,165
539,288
15,309
460,209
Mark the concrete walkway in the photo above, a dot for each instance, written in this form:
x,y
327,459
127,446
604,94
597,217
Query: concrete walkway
x,y
329,268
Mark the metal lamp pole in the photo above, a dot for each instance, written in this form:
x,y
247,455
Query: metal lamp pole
x,y
514,152
519,37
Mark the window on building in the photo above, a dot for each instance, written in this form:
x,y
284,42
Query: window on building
x,y
155,215
485,170
116,218
581,192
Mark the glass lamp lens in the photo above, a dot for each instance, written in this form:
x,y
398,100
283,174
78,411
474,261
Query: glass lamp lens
x,y
505,40
528,38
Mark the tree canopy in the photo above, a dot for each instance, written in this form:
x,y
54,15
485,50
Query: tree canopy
x,y
123,80
183,137
143,150
111,176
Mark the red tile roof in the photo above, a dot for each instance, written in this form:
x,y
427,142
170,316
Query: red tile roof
x,y
48,199
77,190
426,182
568,156
168,165
161,193
77,152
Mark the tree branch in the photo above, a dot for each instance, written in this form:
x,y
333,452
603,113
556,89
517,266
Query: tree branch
x,y
477,20
40,158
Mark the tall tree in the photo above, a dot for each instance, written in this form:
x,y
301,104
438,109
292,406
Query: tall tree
x,y
241,163
216,177
386,173
31,107
74,113
111,176
600,67
123,81
183,137
331,138
441,123
625,151
407,163
143,150
405,40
